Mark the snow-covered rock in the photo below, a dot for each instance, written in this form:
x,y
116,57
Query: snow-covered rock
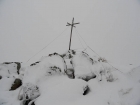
x,y
46,83
47,66
9,69
82,65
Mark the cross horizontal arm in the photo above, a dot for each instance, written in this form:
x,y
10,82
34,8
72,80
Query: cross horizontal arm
x,y
68,23
71,25
76,23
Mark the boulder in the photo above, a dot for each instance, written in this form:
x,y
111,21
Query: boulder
x,y
17,83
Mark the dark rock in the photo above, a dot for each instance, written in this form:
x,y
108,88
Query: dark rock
x,y
87,78
70,56
7,62
73,52
70,73
50,54
54,68
63,55
86,90
26,102
0,77
34,63
85,53
18,66
37,61
31,64
17,83
55,53
102,60
92,60
71,62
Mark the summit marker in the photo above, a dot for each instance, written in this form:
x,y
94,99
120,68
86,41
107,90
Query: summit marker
x,y
72,25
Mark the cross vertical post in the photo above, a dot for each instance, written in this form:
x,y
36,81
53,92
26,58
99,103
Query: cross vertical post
x,y
72,25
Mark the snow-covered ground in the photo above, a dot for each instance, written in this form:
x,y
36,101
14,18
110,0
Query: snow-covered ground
x,y
46,83
110,27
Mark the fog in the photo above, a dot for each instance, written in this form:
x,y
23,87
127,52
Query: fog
x,y
109,27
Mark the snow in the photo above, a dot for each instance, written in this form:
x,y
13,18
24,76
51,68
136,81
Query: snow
x,y
54,87
6,83
8,73
9,97
60,90
7,70
111,28
34,73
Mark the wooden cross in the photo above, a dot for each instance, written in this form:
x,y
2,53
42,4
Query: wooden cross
x,y
72,25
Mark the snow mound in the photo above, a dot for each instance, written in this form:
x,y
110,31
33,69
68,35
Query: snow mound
x,y
8,69
82,65
6,83
60,90
8,73
9,97
47,66
86,68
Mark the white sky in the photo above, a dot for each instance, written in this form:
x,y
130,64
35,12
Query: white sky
x,y
110,27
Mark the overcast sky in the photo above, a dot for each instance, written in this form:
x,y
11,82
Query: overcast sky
x,y
110,27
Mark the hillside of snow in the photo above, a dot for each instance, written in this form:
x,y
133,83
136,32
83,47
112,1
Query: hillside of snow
x,y
73,78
